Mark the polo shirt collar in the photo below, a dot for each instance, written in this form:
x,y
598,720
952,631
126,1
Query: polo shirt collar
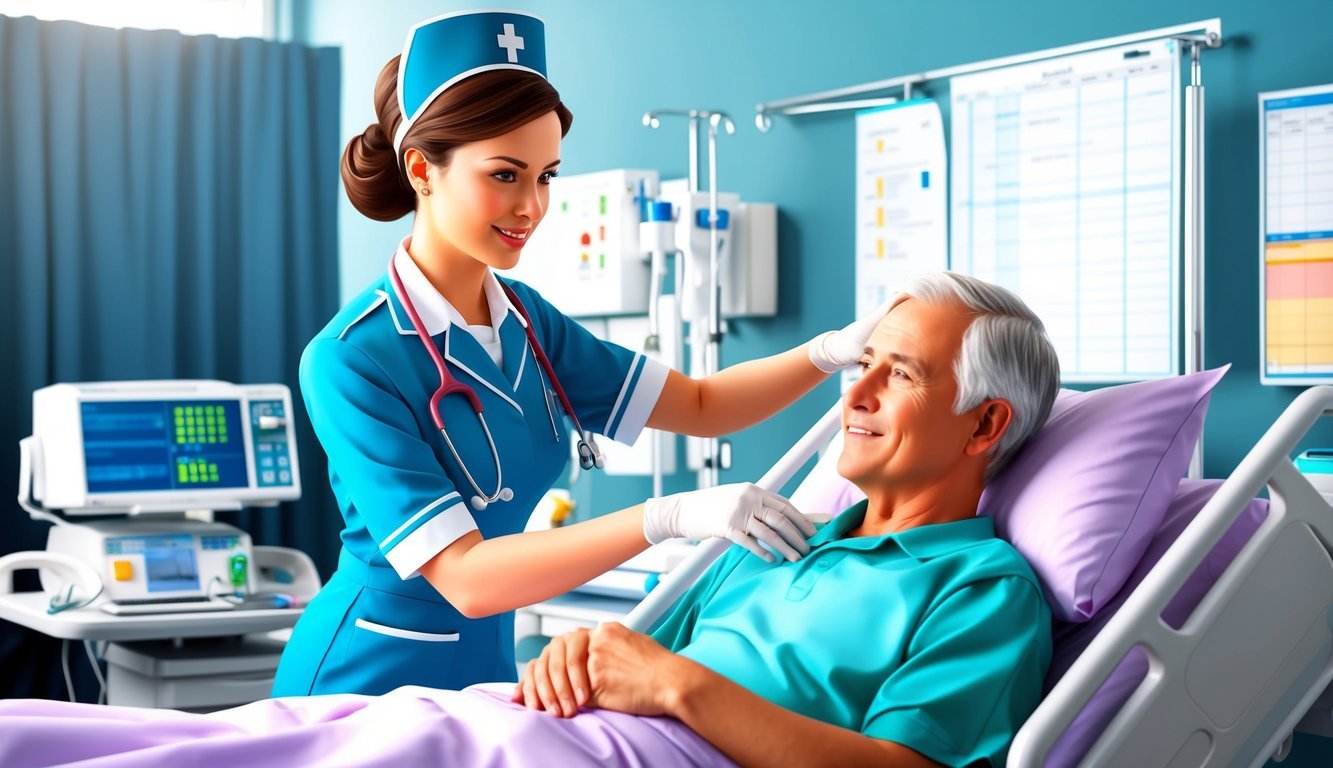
x,y
922,542
435,311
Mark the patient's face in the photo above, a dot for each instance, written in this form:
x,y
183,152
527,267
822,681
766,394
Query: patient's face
x,y
898,421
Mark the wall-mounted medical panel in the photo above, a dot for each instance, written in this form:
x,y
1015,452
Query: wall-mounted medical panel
x,y
585,257
747,248
750,280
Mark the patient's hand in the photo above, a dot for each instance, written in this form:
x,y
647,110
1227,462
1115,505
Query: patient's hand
x,y
630,671
557,680
610,667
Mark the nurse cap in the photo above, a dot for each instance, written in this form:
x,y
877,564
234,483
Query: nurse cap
x,y
446,49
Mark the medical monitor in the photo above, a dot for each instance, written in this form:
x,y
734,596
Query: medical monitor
x,y
162,446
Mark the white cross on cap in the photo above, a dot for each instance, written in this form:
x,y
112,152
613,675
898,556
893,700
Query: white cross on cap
x,y
510,42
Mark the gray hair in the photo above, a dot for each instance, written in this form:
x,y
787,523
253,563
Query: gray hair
x,y
1005,354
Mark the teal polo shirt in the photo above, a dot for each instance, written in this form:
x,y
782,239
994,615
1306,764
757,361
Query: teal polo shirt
x,y
936,637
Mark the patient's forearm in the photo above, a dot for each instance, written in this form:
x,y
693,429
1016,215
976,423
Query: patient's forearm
x,y
754,731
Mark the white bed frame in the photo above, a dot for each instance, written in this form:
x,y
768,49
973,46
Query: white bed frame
x,y
1227,688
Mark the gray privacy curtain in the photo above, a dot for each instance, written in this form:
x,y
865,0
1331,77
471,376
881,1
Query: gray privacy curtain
x,y
167,210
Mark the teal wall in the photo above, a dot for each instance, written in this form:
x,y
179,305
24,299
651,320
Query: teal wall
x,y
613,60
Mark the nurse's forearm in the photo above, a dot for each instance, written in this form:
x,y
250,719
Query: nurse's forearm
x,y
735,398
483,577
754,731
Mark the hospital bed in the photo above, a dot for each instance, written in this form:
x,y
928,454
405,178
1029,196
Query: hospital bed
x,y
1225,688
1228,686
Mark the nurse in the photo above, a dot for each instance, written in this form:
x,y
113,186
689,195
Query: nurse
x,y
440,393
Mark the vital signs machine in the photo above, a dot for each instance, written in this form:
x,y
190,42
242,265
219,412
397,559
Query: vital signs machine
x,y
152,460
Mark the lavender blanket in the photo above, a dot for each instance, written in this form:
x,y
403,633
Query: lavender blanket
x,y
411,726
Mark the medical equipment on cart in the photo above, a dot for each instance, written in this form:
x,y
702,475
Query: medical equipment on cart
x,y
149,565
162,448
157,446
165,454
589,454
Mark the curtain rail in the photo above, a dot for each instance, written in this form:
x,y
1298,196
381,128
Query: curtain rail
x,y
1207,33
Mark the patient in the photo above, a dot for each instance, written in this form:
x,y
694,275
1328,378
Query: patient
x,y
909,635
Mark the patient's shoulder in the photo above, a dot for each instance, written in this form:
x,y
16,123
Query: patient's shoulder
x,y
996,558
996,586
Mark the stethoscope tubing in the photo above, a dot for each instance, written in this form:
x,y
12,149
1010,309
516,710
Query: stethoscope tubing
x,y
542,360
450,385
589,455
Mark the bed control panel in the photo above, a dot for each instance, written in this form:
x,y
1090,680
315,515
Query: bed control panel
x,y
1317,466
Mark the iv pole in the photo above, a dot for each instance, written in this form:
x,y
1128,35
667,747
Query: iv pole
x,y
710,473
1194,200
713,355
653,120
657,271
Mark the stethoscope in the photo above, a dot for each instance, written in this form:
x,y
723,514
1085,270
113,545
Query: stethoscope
x,y
589,454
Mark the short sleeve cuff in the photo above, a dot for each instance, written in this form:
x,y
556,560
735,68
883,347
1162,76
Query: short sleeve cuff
x,y
426,534
638,395
919,732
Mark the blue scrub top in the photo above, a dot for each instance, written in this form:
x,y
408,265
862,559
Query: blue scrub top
x,y
936,637
367,382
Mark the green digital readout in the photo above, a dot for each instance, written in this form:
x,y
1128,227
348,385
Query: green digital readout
x,y
200,424
196,471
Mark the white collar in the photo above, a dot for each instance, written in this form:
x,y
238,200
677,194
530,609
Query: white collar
x,y
435,311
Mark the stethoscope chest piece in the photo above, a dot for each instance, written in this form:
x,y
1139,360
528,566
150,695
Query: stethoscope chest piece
x,y
589,454
479,503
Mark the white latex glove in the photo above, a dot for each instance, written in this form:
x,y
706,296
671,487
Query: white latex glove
x,y
741,512
835,350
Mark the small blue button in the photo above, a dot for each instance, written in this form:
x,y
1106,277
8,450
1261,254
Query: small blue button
x,y
701,218
659,211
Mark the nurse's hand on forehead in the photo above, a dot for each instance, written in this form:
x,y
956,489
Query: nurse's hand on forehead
x,y
742,512
835,350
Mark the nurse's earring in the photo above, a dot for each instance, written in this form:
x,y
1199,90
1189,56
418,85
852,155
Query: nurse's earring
x,y
425,191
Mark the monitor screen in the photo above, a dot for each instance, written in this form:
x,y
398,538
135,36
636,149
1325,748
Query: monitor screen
x,y
168,559
163,445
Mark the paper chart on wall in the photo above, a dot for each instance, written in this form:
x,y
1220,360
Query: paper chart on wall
x,y
1296,233
901,205
1066,189
900,198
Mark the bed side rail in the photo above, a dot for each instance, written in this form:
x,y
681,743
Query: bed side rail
x,y
1228,686
674,584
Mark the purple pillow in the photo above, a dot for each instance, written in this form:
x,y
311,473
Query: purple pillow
x,y
1083,498
1072,639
